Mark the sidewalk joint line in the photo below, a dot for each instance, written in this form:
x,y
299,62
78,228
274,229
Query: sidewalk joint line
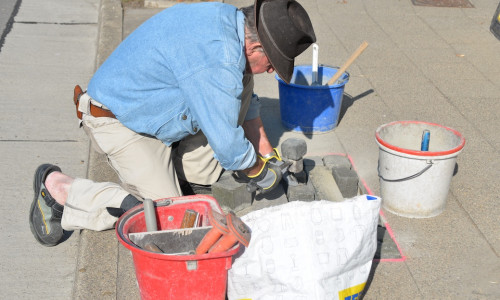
x,y
55,23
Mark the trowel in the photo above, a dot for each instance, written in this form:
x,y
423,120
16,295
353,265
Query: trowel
x,y
315,49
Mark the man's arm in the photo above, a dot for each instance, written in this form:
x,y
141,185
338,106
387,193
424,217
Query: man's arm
x,y
255,133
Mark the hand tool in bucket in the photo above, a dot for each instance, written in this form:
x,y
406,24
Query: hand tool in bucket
x,y
226,232
346,65
182,241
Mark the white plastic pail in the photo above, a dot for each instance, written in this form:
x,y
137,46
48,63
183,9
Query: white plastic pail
x,y
415,183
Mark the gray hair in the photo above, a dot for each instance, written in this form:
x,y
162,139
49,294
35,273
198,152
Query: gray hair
x,y
250,28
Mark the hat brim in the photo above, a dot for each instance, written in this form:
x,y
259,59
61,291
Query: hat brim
x,y
281,64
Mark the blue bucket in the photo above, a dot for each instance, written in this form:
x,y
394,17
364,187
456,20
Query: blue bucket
x,y
307,108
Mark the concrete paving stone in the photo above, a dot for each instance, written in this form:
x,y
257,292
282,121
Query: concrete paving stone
x,y
454,71
383,57
347,181
28,266
421,245
324,184
135,17
293,149
41,75
336,161
30,126
58,11
477,195
414,34
484,59
96,271
468,88
389,8
446,23
301,192
230,194
483,10
126,279
469,36
389,280
52,48
441,11
339,8
433,56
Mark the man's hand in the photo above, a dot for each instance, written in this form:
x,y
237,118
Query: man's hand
x,y
275,161
263,177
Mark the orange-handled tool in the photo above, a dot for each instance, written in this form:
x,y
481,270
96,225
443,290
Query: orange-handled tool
x,y
238,232
219,227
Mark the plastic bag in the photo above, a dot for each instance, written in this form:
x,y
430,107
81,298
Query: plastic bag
x,y
307,250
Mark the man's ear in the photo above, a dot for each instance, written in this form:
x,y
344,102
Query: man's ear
x,y
251,47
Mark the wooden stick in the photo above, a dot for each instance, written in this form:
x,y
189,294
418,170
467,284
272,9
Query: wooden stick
x,y
348,63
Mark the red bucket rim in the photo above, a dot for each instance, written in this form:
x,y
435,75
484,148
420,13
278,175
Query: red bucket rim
x,y
417,152
127,243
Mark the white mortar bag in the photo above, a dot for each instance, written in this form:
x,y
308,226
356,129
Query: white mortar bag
x,y
307,250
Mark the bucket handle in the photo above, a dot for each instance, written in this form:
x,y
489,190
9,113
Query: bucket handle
x,y
429,165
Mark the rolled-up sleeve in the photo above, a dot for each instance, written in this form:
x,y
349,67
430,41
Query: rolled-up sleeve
x,y
213,97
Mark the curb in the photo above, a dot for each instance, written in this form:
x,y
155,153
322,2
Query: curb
x,y
96,268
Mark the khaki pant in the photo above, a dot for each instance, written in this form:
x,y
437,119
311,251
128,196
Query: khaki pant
x,y
146,167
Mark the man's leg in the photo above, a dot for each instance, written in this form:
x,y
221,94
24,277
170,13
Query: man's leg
x,y
59,197
143,164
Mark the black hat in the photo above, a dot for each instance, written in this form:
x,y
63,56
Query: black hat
x,y
285,31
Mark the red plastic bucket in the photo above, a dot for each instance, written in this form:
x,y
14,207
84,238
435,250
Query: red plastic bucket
x,y
164,276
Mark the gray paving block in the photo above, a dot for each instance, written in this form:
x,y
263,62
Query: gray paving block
x,y
324,184
347,180
336,161
230,194
301,192
293,149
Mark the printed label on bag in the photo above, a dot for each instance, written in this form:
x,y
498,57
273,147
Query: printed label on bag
x,y
352,293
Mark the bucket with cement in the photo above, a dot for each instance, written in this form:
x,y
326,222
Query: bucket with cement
x,y
415,183
311,107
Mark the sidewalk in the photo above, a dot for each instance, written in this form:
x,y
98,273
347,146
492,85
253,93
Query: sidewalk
x,y
433,64
440,65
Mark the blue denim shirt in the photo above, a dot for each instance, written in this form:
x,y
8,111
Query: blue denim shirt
x,y
179,72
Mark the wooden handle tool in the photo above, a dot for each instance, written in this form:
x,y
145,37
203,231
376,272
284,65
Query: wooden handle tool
x,y
346,65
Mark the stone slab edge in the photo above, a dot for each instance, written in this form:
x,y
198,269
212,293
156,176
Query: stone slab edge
x,y
96,270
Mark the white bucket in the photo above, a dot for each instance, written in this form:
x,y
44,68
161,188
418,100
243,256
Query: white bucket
x,y
415,183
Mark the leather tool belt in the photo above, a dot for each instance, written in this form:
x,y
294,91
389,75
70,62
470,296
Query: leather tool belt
x,y
94,110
